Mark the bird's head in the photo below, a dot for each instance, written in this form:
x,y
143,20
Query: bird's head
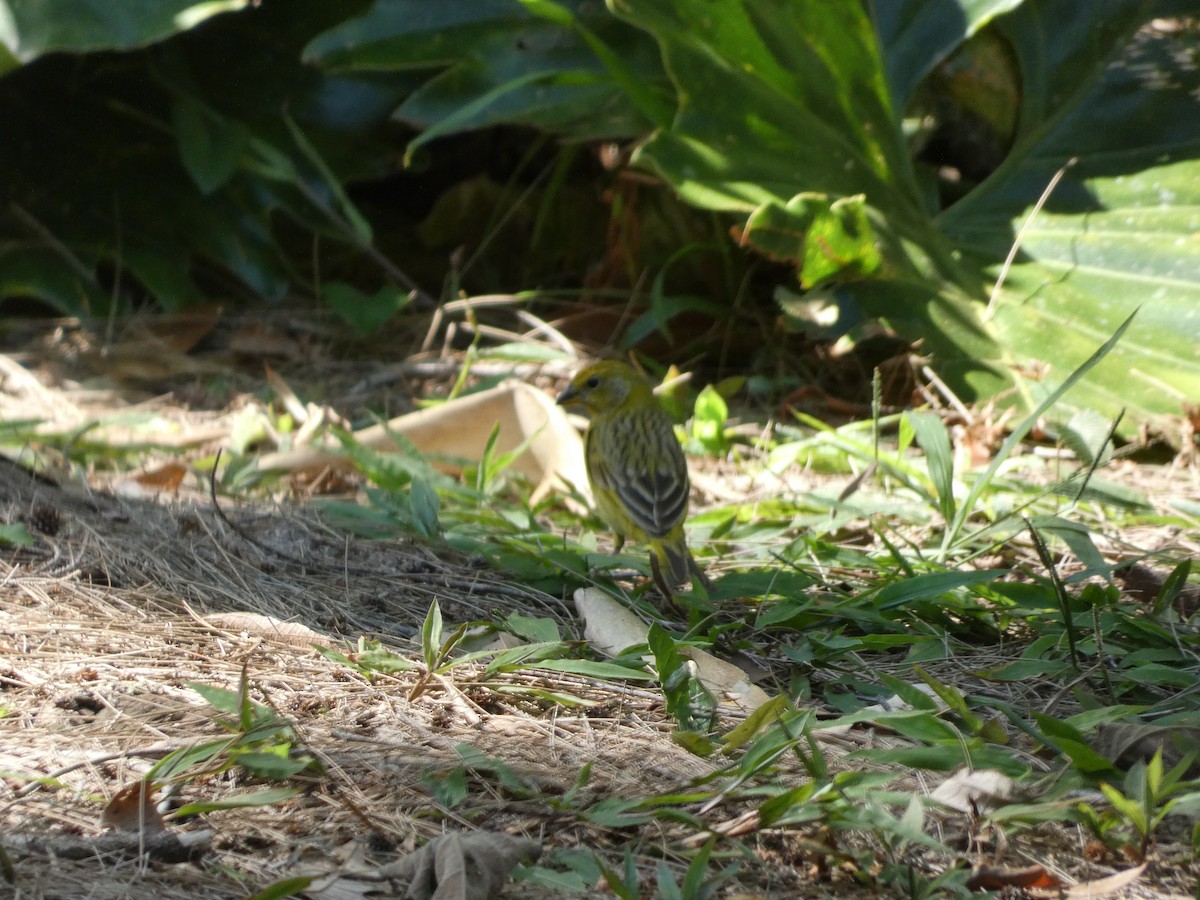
x,y
604,387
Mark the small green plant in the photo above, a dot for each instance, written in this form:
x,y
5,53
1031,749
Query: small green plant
x,y
708,432
261,742
1146,797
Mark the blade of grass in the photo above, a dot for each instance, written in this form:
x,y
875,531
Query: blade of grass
x,y
1018,434
939,458
1060,590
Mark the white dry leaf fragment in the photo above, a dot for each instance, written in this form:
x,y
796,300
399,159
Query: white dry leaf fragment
x,y
980,790
462,427
460,866
607,625
726,680
611,628
258,625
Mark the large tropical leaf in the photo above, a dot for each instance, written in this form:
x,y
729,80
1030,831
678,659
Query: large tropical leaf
x,y
783,99
28,29
498,62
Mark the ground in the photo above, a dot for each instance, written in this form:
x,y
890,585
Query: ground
x,y
130,595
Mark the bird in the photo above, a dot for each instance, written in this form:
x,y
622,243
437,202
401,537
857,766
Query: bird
x,y
635,466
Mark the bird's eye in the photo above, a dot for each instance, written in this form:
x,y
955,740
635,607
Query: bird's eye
x,y
592,382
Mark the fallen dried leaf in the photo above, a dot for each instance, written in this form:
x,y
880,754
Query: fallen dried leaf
x,y
968,791
462,866
995,878
268,626
1086,890
610,628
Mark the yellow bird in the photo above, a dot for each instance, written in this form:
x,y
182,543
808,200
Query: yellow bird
x,y
635,465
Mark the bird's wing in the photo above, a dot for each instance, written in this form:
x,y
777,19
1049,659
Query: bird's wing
x,y
648,472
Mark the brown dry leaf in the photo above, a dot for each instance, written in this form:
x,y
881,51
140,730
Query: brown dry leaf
x,y
981,789
157,348
610,628
1086,890
462,427
132,809
164,478
462,866
258,340
996,878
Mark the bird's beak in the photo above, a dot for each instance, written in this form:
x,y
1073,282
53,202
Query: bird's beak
x,y
567,397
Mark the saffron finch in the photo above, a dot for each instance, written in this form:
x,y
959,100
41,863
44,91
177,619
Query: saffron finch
x,y
635,465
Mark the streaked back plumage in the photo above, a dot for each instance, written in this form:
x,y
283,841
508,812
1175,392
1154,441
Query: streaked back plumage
x,y
635,464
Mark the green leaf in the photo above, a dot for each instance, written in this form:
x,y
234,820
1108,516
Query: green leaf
x,y
431,634
286,887
930,586
31,29
425,504
365,313
827,236
272,765
532,628
16,533
261,798
210,145
575,70
931,434
592,669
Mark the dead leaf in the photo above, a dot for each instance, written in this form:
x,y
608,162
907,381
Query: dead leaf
x,y
611,628
607,625
461,866
996,878
462,428
258,625
980,790
1086,890
164,478
258,340
132,809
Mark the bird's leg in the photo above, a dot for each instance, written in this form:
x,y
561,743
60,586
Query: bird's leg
x,y
618,543
659,581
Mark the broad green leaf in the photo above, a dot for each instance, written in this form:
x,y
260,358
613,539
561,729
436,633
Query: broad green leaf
x,y
505,63
782,98
917,35
931,585
29,29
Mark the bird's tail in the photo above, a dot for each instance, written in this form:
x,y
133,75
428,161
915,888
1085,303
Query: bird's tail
x,y
676,561
674,565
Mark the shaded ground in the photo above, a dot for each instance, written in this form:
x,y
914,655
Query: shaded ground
x,y
122,603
